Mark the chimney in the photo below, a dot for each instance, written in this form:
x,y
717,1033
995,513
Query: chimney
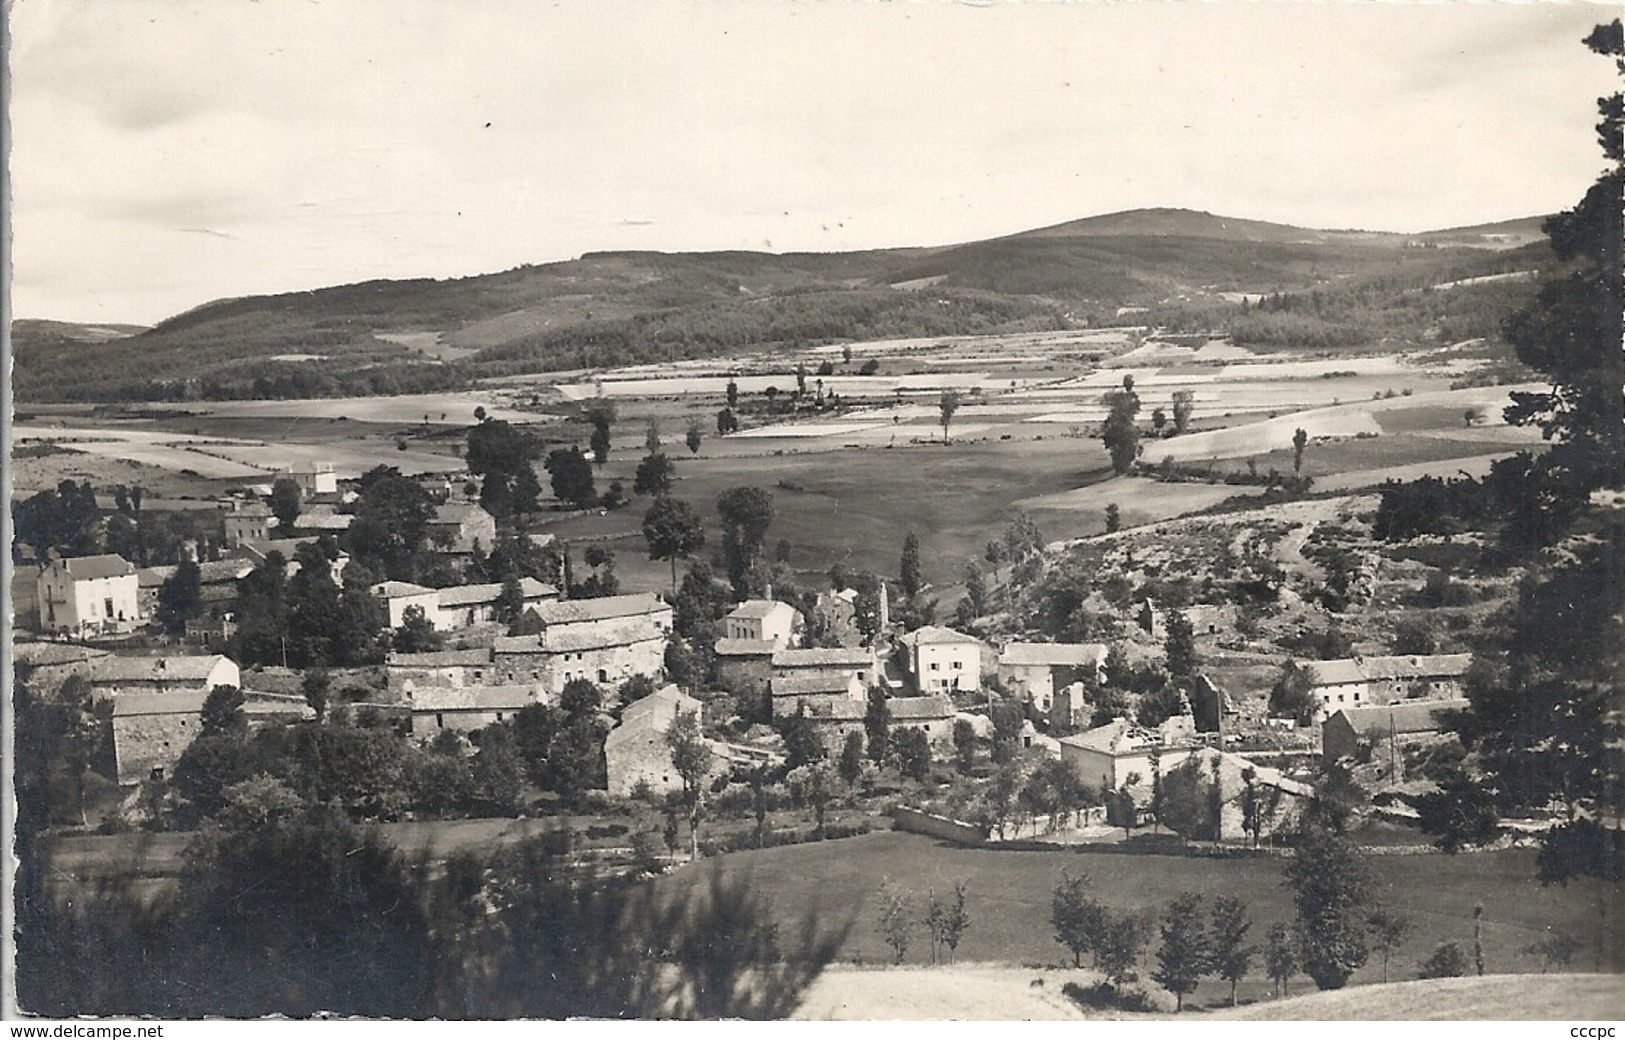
x,y
768,593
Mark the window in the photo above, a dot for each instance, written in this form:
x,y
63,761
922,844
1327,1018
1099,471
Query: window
x,y
479,673
958,665
107,605
440,720
499,716
935,666
157,772
603,676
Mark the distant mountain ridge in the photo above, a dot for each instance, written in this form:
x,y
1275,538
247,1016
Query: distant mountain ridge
x,y
619,307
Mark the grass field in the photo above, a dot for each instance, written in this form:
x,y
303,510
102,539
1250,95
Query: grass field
x,y
1563,998
1010,893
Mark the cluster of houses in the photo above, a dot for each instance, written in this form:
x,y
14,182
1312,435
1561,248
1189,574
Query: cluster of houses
x,y
1368,706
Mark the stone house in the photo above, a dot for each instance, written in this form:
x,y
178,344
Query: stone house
x,y
744,665
313,478
116,675
406,672
151,730
940,660
635,751
400,596
1280,800
217,581
465,708
456,527
89,596
933,714
858,662
1386,730
249,523
1035,671
816,692
463,606
1361,682
764,620
605,641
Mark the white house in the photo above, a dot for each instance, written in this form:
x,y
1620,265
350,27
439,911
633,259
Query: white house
x,y
400,596
315,478
248,524
764,620
1361,682
1119,753
941,659
89,595
1036,670
459,606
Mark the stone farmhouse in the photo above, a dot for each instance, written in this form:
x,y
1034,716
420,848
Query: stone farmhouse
x,y
858,662
217,580
89,596
940,660
1386,730
152,730
406,672
456,608
605,641
744,665
118,675
1035,671
1360,682
456,527
465,708
1280,800
635,751
765,620
820,693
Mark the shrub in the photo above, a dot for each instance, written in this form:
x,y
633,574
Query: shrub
x,y
1446,962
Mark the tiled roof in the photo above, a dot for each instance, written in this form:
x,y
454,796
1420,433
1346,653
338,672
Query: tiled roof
x,y
399,589
178,702
471,698
759,609
570,642
933,634
824,657
576,610
1052,653
745,647
800,685
41,655
1362,669
454,512
467,595
153,669
1405,717
904,709
661,706
1335,673
152,577
89,568
441,659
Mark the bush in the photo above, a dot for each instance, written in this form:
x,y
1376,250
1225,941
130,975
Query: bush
x,y
1103,996
610,830
1447,962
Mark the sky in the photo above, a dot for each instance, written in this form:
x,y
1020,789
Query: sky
x,y
170,152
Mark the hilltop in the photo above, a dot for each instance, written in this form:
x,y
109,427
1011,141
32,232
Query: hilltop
x,y
617,308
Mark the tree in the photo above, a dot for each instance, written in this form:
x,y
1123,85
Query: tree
x,y
964,746
909,572
975,589
947,405
571,477
894,918
955,920
1179,645
851,763
1447,961
727,422
180,597
1232,957
1570,332
1329,885
1120,435
417,634
877,725
733,393
1159,419
654,475
391,527
695,436
815,780
502,454
1188,805
285,502
1122,939
1459,813
1281,957
673,531
1114,518
1292,695
747,513
1184,405
315,686
691,757
1077,917
1186,954
1300,440
913,752
1388,931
